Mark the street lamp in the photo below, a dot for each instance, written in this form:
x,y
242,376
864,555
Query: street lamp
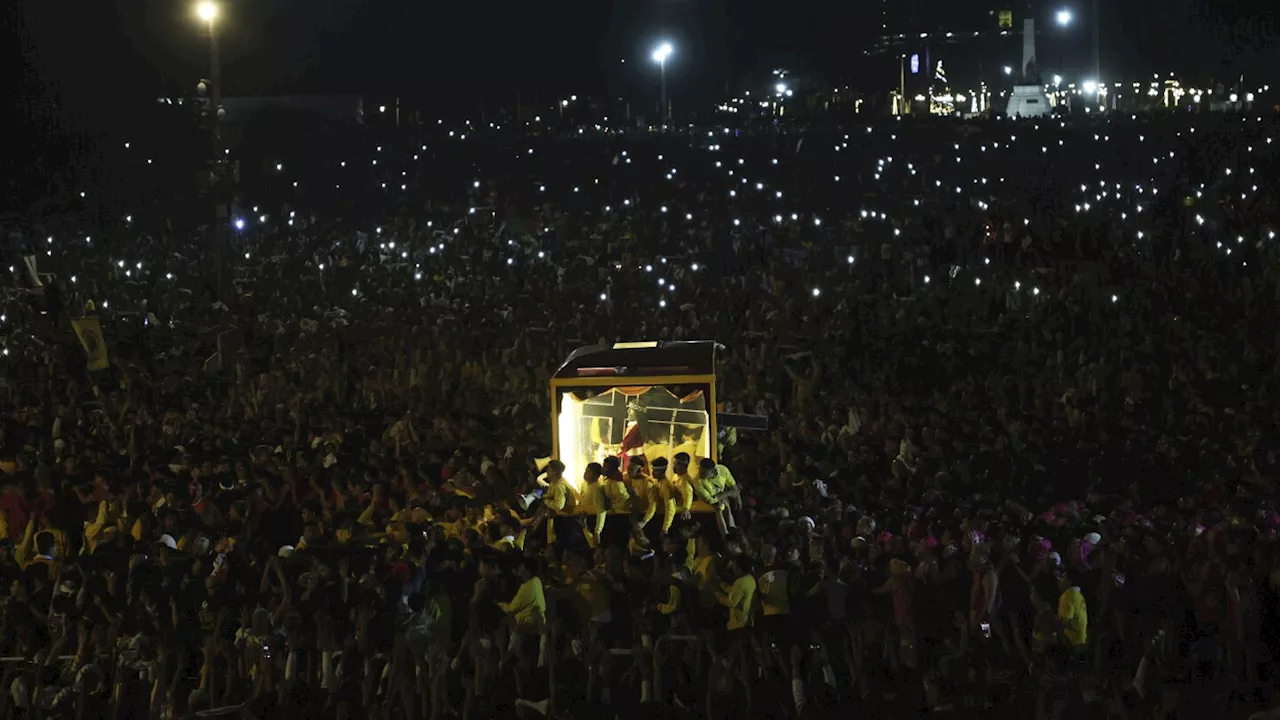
x,y
660,55
208,12
1065,18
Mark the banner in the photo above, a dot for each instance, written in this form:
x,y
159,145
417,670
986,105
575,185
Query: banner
x,y
95,345
1006,19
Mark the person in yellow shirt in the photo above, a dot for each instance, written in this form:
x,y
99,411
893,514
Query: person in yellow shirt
x,y
1073,614
615,489
680,469
528,609
559,498
738,597
594,504
641,488
589,591
676,496
715,486
774,588
105,526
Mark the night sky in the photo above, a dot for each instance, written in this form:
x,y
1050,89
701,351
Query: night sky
x,y
96,56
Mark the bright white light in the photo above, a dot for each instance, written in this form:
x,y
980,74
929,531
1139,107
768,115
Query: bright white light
x,y
1057,79
1064,17
817,292
207,11
1008,70
694,267
239,223
849,259
1115,298
926,279
780,88
662,52
1035,291
977,281
1090,86
662,303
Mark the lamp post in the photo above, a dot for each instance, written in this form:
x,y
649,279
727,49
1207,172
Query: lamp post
x,y
660,55
1066,18
207,11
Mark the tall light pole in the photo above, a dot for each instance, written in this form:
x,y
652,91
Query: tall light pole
x,y
1097,44
1065,18
660,55
207,11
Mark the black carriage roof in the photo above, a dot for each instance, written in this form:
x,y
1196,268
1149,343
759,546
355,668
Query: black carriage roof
x,y
695,357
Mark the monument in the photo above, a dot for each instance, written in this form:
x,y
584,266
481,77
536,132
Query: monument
x,y
1028,98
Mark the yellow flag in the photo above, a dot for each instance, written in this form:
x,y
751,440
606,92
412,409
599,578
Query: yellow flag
x,y
95,345
1006,19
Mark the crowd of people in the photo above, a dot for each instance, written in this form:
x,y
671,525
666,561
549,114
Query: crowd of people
x,y
1020,378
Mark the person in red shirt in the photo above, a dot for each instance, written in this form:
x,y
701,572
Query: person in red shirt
x,y
16,511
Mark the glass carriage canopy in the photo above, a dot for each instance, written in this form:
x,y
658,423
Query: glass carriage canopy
x,y
630,399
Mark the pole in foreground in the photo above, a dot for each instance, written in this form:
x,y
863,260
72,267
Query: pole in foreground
x,y
660,55
208,13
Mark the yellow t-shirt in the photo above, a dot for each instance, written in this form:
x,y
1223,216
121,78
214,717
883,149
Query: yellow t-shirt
x,y
1074,615
706,577
529,606
593,498
619,497
739,599
560,496
677,496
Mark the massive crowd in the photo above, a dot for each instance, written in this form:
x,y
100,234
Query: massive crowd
x,y
1021,380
